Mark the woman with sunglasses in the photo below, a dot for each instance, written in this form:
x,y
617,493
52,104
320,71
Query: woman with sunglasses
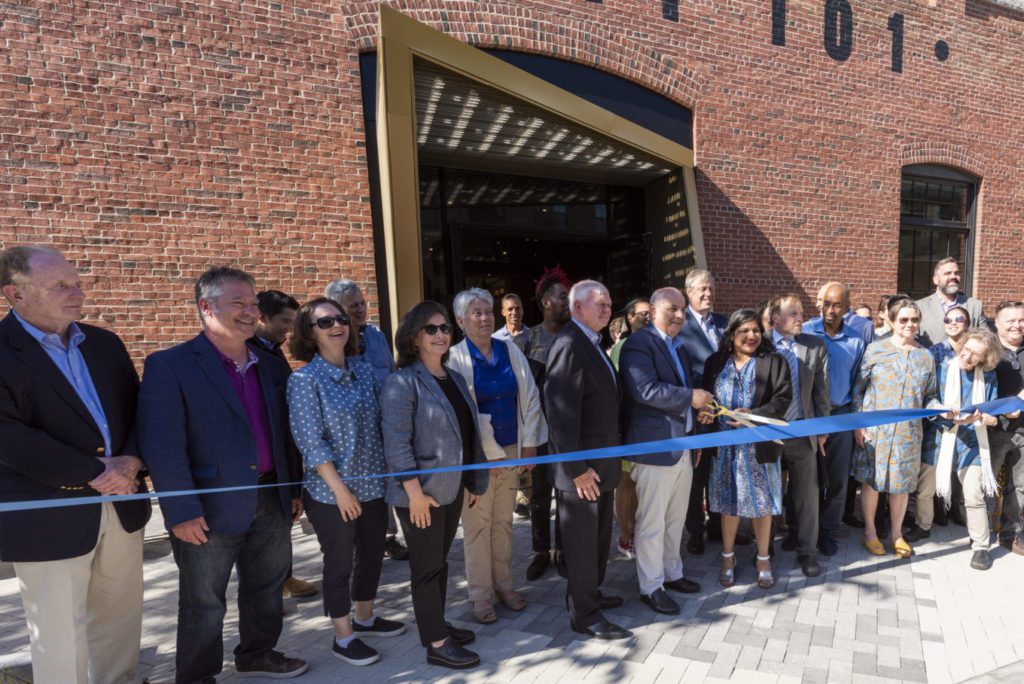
x,y
955,324
430,421
895,373
335,421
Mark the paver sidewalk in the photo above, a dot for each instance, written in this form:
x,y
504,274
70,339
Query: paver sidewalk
x,y
865,619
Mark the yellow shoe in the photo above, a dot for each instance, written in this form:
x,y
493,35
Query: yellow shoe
x,y
901,548
873,546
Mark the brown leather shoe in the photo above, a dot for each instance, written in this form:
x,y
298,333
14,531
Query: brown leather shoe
x,y
296,588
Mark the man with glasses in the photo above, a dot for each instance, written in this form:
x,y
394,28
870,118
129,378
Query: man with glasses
x,y
946,278
1009,439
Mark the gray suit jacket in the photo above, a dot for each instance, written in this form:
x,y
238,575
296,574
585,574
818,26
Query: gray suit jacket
x,y
421,431
932,330
812,359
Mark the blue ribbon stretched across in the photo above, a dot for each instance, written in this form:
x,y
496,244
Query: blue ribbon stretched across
x,y
801,428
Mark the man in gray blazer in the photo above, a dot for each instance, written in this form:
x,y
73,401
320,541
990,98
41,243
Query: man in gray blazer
x,y
808,369
946,278
660,398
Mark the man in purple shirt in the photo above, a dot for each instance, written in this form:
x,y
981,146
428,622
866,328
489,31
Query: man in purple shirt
x,y
212,413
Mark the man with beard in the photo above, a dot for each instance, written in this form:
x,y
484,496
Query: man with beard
x,y
946,278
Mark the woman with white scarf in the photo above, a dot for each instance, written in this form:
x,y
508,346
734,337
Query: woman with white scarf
x,y
965,380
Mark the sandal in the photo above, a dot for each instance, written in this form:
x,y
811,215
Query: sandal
x,y
727,578
512,600
765,579
901,548
484,613
873,546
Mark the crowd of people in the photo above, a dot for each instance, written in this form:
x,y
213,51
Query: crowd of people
x,y
341,439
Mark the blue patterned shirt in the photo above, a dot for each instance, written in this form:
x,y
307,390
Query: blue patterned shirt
x,y
335,418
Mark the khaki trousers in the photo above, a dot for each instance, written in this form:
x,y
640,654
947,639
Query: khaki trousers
x,y
977,509
925,497
663,496
487,532
85,614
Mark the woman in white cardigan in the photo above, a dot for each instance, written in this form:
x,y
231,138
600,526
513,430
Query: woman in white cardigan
x,y
511,426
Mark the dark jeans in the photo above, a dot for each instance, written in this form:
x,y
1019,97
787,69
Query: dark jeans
x,y
428,565
344,545
695,525
802,495
587,534
261,555
1009,447
540,508
839,452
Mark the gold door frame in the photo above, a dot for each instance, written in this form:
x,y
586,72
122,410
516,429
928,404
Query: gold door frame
x,y
400,39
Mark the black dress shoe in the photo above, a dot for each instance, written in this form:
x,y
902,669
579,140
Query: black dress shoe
x,y
827,545
537,567
809,565
916,534
790,542
853,521
695,545
602,629
981,560
395,550
683,586
608,602
661,602
459,635
452,655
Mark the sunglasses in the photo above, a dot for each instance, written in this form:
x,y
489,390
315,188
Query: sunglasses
x,y
327,322
432,328
954,319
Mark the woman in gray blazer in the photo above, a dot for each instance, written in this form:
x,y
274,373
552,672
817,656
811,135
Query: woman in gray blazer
x,y
429,421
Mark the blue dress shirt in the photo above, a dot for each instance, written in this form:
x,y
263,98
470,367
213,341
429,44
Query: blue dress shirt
x,y
375,350
787,347
496,389
674,344
72,365
863,327
845,352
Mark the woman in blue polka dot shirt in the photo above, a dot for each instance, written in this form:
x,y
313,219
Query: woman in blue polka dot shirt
x,y
335,420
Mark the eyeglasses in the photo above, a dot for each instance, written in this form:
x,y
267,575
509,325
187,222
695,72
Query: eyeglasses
x,y
327,322
432,328
954,319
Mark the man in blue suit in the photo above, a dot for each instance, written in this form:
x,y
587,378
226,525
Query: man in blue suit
x,y
660,398
701,334
212,413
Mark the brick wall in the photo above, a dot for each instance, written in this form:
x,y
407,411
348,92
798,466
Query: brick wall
x,y
150,140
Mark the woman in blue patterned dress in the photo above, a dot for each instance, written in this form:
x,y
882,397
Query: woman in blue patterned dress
x,y
335,421
746,375
895,373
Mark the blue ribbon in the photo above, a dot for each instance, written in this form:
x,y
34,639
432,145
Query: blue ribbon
x,y
801,428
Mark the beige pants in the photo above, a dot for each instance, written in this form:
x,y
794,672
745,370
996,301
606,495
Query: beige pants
x,y
925,497
487,531
85,614
977,509
663,495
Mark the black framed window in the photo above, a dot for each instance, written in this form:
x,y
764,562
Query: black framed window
x,y
937,211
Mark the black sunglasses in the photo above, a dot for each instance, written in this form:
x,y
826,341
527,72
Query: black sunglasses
x,y
954,319
432,328
327,322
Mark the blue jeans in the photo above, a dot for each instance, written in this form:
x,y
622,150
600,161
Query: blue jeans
x,y
262,555
838,454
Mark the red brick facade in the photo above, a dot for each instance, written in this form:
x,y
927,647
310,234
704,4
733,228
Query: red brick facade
x,y
151,139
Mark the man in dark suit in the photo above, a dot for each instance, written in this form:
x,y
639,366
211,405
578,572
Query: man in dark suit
x,y
67,424
660,399
212,413
701,334
277,314
581,396
808,371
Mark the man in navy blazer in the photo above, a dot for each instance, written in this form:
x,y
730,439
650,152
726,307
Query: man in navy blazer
x,y
213,413
701,333
67,426
660,397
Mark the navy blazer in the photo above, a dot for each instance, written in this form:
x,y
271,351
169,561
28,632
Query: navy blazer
x,y
194,434
696,342
656,400
51,441
421,431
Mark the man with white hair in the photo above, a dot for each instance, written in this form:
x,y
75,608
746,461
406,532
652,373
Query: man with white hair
x,y
582,398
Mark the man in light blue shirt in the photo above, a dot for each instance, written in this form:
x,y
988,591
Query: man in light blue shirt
x,y
512,312
845,352
860,326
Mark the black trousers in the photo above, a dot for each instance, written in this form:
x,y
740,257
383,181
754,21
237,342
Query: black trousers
x,y
695,525
353,552
540,508
587,535
428,565
802,495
